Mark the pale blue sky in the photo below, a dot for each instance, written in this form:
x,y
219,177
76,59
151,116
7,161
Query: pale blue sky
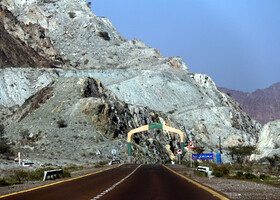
x,y
235,42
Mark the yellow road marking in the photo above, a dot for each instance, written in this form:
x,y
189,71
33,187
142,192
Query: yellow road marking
x,y
199,185
71,179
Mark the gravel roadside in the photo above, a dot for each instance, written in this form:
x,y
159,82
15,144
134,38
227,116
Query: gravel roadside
x,y
232,188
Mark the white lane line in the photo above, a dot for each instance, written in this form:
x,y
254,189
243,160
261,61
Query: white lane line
x,y
113,186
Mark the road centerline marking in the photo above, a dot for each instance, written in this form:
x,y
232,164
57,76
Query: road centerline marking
x,y
115,185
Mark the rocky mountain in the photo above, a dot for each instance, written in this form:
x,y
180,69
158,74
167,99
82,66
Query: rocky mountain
x,y
269,140
83,87
262,105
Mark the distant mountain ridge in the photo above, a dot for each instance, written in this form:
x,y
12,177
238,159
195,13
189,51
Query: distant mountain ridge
x,y
262,105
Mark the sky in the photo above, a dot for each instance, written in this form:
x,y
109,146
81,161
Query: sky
x,y
235,42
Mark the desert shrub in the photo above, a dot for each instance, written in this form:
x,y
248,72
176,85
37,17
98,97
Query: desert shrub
x,y
239,175
3,182
19,176
61,123
248,169
66,173
199,173
100,164
97,166
273,160
217,173
251,176
103,163
264,177
222,169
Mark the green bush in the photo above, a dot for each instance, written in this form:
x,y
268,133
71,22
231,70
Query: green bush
x,y
199,173
217,173
251,176
66,173
264,177
3,182
100,164
239,175
220,171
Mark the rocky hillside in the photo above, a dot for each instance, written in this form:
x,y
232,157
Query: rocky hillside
x,y
261,105
98,87
269,140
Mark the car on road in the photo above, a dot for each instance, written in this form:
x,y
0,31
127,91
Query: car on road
x,y
114,162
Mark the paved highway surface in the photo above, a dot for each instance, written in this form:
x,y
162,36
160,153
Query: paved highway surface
x,y
135,182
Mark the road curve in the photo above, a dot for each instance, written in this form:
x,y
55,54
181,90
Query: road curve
x,y
137,182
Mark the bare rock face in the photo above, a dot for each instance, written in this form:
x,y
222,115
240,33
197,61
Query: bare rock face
x,y
25,45
88,41
18,84
269,140
106,86
73,119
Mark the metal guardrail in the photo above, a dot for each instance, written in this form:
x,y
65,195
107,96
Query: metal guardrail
x,y
53,173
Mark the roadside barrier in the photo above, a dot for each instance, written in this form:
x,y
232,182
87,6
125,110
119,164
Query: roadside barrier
x,y
206,170
53,173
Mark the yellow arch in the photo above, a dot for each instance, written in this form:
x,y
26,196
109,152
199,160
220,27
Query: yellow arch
x,y
149,127
146,128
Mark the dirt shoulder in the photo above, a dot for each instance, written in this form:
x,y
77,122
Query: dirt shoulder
x,y
232,188
33,184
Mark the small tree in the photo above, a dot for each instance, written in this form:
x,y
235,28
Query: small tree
x,y
240,152
273,160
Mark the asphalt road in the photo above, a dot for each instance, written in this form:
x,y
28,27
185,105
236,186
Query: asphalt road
x,y
125,182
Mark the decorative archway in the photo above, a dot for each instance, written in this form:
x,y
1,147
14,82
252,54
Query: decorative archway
x,y
149,127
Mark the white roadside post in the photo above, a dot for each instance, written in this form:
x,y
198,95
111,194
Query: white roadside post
x,y
191,146
114,152
19,161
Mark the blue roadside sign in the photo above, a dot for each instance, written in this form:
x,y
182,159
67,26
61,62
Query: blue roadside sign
x,y
203,156
218,157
